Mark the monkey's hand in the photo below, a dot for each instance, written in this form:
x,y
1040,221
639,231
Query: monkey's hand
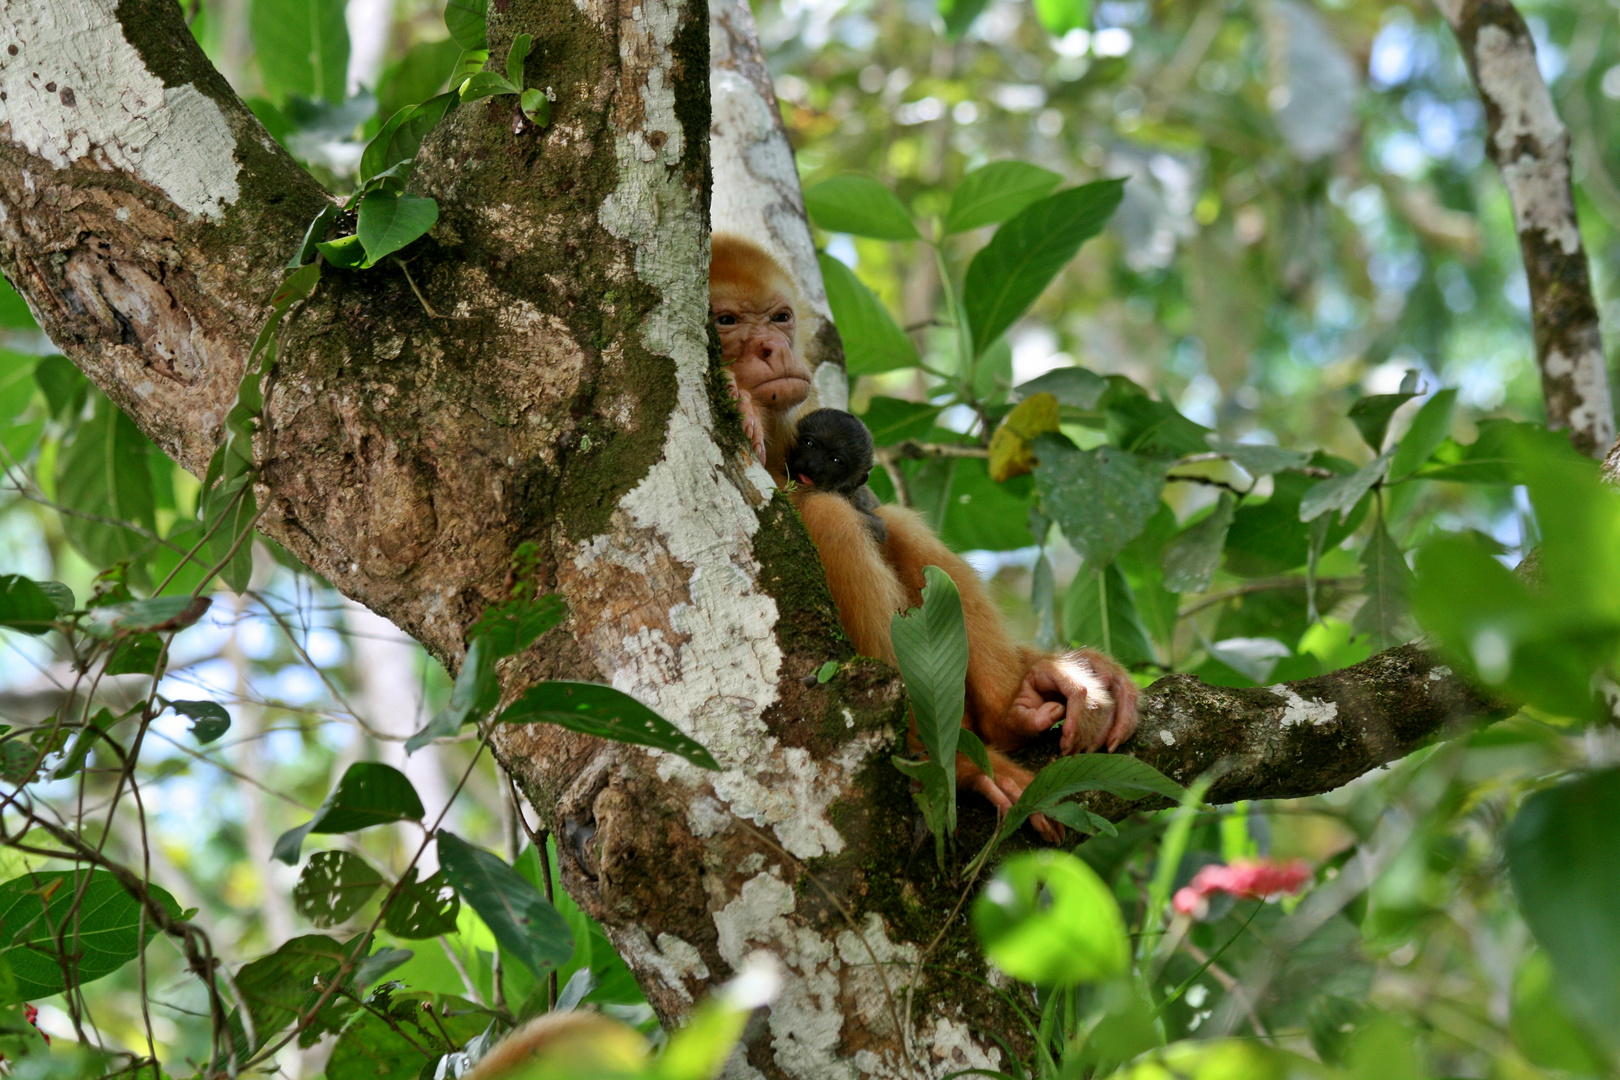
x,y
1003,789
753,424
1088,691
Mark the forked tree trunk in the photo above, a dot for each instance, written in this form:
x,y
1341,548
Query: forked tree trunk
x,y
563,390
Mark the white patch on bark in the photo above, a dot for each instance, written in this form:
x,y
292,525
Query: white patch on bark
x,y
1166,738
955,1049
1539,183
76,88
1296,710
675,960
1588,376
1438,673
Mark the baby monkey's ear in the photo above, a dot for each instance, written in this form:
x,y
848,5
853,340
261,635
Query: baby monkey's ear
x,y
865,476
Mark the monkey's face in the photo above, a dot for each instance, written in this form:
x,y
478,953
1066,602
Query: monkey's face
x,y
757,342
819,462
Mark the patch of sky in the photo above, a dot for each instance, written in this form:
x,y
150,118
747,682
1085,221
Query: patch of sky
x,y
841,246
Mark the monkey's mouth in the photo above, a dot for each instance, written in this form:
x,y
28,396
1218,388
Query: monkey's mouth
x,y
806,481
786,391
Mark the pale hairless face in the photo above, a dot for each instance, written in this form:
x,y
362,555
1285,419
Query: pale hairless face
x,y
757,344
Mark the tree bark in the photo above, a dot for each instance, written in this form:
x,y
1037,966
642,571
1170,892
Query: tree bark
x,y
566,394
1530,145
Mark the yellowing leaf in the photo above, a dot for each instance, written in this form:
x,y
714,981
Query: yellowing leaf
x,y
1010,451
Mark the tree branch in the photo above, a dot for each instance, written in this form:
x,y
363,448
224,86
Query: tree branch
x,y
1530,145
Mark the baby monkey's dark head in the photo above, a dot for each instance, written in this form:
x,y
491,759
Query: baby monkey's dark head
x,y
833,452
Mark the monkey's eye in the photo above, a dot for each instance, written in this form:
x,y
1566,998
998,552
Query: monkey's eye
x,y
808,442
725,320
782,317
836,460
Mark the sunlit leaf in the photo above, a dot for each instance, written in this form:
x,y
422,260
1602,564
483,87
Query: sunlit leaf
x,y
1429,429
1047,918
872,341
995,192
161,613
1075,387
859,205
102,929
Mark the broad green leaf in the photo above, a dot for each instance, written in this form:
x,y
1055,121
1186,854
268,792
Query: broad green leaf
x,y
158,614
465,18
1011,452
1429,429
995,192
346,252
536,106
422,909
826,671
970,745
485,84
1268,538
278,988
422,73
959,15
137,655
302,47
1191,559
370,793
59,595
606,713
1542,1027
892,420
508,628
14,313
64,385
100,939
476,692
1080,819
1083,626
209,718
1371,416
333,886
859,205
400,1036
982,515
101,471
931,650
1257,459
24,605
1563,856
1342,493
1495,455
1151,428
1117,774
1075,387
1101,498
16,383
1047,918
1389,583
523,921
388,222
1061,16
515,57
872,341
1027,252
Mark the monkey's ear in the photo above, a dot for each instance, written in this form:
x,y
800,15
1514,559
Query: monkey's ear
x,y
864,477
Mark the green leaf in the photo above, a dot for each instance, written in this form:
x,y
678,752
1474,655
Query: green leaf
x,y
980,514
59,595
370,793
346,252
485,84
970,745
161,613
1080,819
138,655
333,886
101,471
1075,387
1191,559
1371,416
1429,429
873,343
1563,856
1101,498
508,628
278,988
102,937
400,139
14,313
1389,583
317,229
995,192
16,383
1151,428
422,73
1047,918
826,671
465,19
24,605
523,921
515,57
959,15
209,719
1125,639
1542,1027
422,909
1027,252
931,650
1257,459
1117,774
1061,16
388,222
1495,455
893,420
302,47
859,205
64,385
536,106
403,1036
606,713
1342,493
475,693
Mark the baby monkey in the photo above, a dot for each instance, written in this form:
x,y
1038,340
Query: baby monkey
x,y
833,452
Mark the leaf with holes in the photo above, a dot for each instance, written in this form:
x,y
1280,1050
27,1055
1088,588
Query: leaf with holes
x,y
606,713
333,886
422,909
370,793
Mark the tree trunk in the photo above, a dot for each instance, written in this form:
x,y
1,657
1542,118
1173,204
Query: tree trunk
x,y
566,393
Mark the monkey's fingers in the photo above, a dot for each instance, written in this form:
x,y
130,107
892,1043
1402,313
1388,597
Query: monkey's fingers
x,y
1125,713
988,787
1050,830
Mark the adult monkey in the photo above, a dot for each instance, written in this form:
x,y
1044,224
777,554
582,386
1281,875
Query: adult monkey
x,y
1013,692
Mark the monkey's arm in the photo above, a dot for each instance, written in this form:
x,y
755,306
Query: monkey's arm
x,y
863,585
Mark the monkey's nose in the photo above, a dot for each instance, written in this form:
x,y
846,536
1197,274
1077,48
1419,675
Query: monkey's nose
x,y
764,352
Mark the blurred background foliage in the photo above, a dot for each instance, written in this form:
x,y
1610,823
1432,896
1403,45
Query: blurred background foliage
x,y
1308,219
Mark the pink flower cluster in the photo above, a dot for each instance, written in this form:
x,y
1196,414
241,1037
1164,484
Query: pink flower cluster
x,y
1256,879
